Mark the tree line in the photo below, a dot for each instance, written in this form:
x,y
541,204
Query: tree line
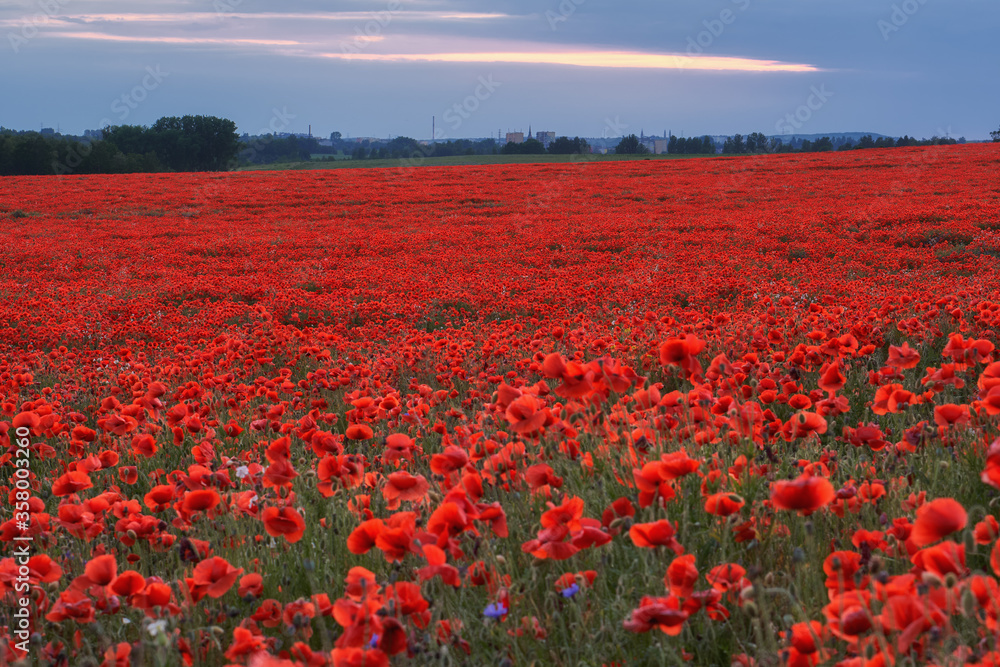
x,y
207,143
188,143
758,143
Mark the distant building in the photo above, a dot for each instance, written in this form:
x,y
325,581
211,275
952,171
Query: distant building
x,y
545,137
94,134
515,137
48,131
659,146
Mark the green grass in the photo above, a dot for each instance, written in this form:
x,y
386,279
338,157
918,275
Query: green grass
x,y
461,160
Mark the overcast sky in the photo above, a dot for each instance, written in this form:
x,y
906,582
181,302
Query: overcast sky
x,y
576,67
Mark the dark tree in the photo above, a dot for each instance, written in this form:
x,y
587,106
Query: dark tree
x,y
631,145
756,142
567,146
734,145
527,147
823,144
188,143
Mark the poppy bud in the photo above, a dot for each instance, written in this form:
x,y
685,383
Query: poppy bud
x,y
931,579
751,609
968,603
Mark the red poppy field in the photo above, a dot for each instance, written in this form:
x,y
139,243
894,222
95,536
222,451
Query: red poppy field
x,y
708,412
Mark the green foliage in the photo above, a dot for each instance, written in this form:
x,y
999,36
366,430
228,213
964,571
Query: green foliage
x,y
631,145
189,143
528,147
567,146
692,146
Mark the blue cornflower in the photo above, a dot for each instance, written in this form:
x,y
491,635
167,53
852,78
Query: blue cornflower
x,y
570,590
496,610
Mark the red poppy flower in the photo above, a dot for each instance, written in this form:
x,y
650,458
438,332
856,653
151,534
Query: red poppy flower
x,y
723,504
674,465
806,494
526,415
201,500
358,582
911,616
362,538
128,583
727,577
950,415
26,420
807,637
681,576
268,613
831,380
217,575
395,540
71,482
359,432
663,613
159,497
285,522
101,570
941,559
144,445
892,398
404,486
656,534
802,425
567,514
681,352
842,569
128,474
448,461
903,357
991,474
359,657
987,530
251,585
245,643
936,520
42,568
